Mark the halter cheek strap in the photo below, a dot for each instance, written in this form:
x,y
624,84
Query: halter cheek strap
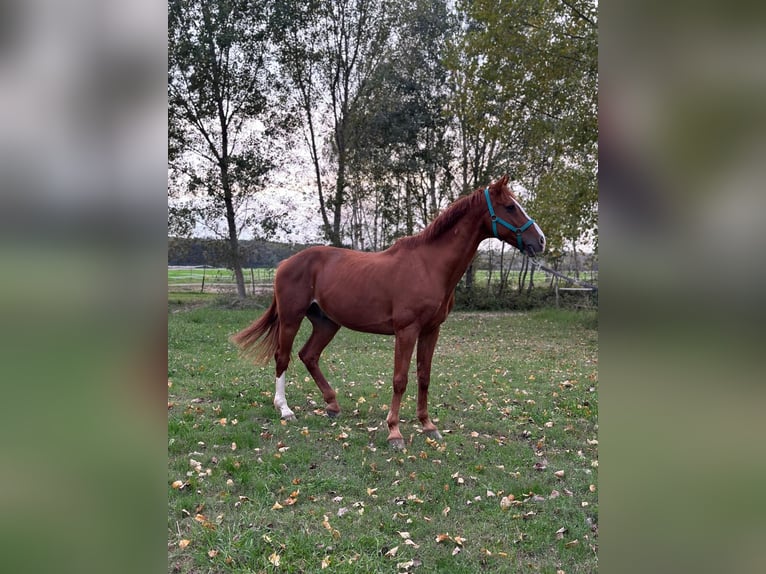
x,y
495,220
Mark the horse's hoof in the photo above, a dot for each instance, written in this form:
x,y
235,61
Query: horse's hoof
x,y
396,443
332,414
434,434
290,417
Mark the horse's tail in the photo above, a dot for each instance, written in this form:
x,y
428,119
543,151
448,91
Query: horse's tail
x,y
261,338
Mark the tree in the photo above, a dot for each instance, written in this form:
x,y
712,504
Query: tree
x,y
329,49
399,160
524,83
218,88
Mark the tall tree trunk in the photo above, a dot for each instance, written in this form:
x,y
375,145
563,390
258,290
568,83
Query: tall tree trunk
x,y
337,203
314,152
233,240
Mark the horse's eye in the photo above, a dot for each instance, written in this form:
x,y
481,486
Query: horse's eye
x,y
511,207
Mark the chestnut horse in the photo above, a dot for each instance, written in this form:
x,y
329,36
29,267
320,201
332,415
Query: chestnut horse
x,y
406,291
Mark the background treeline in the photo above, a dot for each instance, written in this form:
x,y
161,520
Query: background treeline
x,y
195,251
381,112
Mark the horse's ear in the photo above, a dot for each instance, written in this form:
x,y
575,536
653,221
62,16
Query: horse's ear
x,y
503,180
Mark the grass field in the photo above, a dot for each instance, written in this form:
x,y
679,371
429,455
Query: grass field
x,y
511,488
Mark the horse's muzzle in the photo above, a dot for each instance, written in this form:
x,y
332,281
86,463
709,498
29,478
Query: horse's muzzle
x,y
536,246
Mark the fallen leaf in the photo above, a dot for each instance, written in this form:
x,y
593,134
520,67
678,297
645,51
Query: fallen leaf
x,y
391,553
574,542
446,510
183,543
212,553
560,533
457,550
459,540
559,474
177,484
325,562
404,535
275,558
442,537
277,506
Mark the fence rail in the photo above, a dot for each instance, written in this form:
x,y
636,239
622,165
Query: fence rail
x,y
204,279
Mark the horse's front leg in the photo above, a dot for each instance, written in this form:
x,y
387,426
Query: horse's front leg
x,y
426,346
405,344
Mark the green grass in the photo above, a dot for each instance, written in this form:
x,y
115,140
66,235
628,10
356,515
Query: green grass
x,y
515,396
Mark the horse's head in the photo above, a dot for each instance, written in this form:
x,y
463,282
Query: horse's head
x,y
509,222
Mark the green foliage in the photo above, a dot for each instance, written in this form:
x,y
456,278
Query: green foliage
x,y
514,394
523,77
405,105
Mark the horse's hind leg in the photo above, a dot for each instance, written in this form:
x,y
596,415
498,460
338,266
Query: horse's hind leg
x,y
287,332
323,332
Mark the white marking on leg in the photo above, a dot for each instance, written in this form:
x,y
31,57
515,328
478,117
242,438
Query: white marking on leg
x,y
280,402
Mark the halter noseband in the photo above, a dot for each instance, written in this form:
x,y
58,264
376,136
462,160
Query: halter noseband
x,y
495,220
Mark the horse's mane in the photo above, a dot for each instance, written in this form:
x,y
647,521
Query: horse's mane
x,y
447,218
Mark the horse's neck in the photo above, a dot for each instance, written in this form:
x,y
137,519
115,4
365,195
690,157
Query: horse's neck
x,y
454,250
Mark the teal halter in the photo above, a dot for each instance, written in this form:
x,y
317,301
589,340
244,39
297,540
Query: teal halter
x,y
495,220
